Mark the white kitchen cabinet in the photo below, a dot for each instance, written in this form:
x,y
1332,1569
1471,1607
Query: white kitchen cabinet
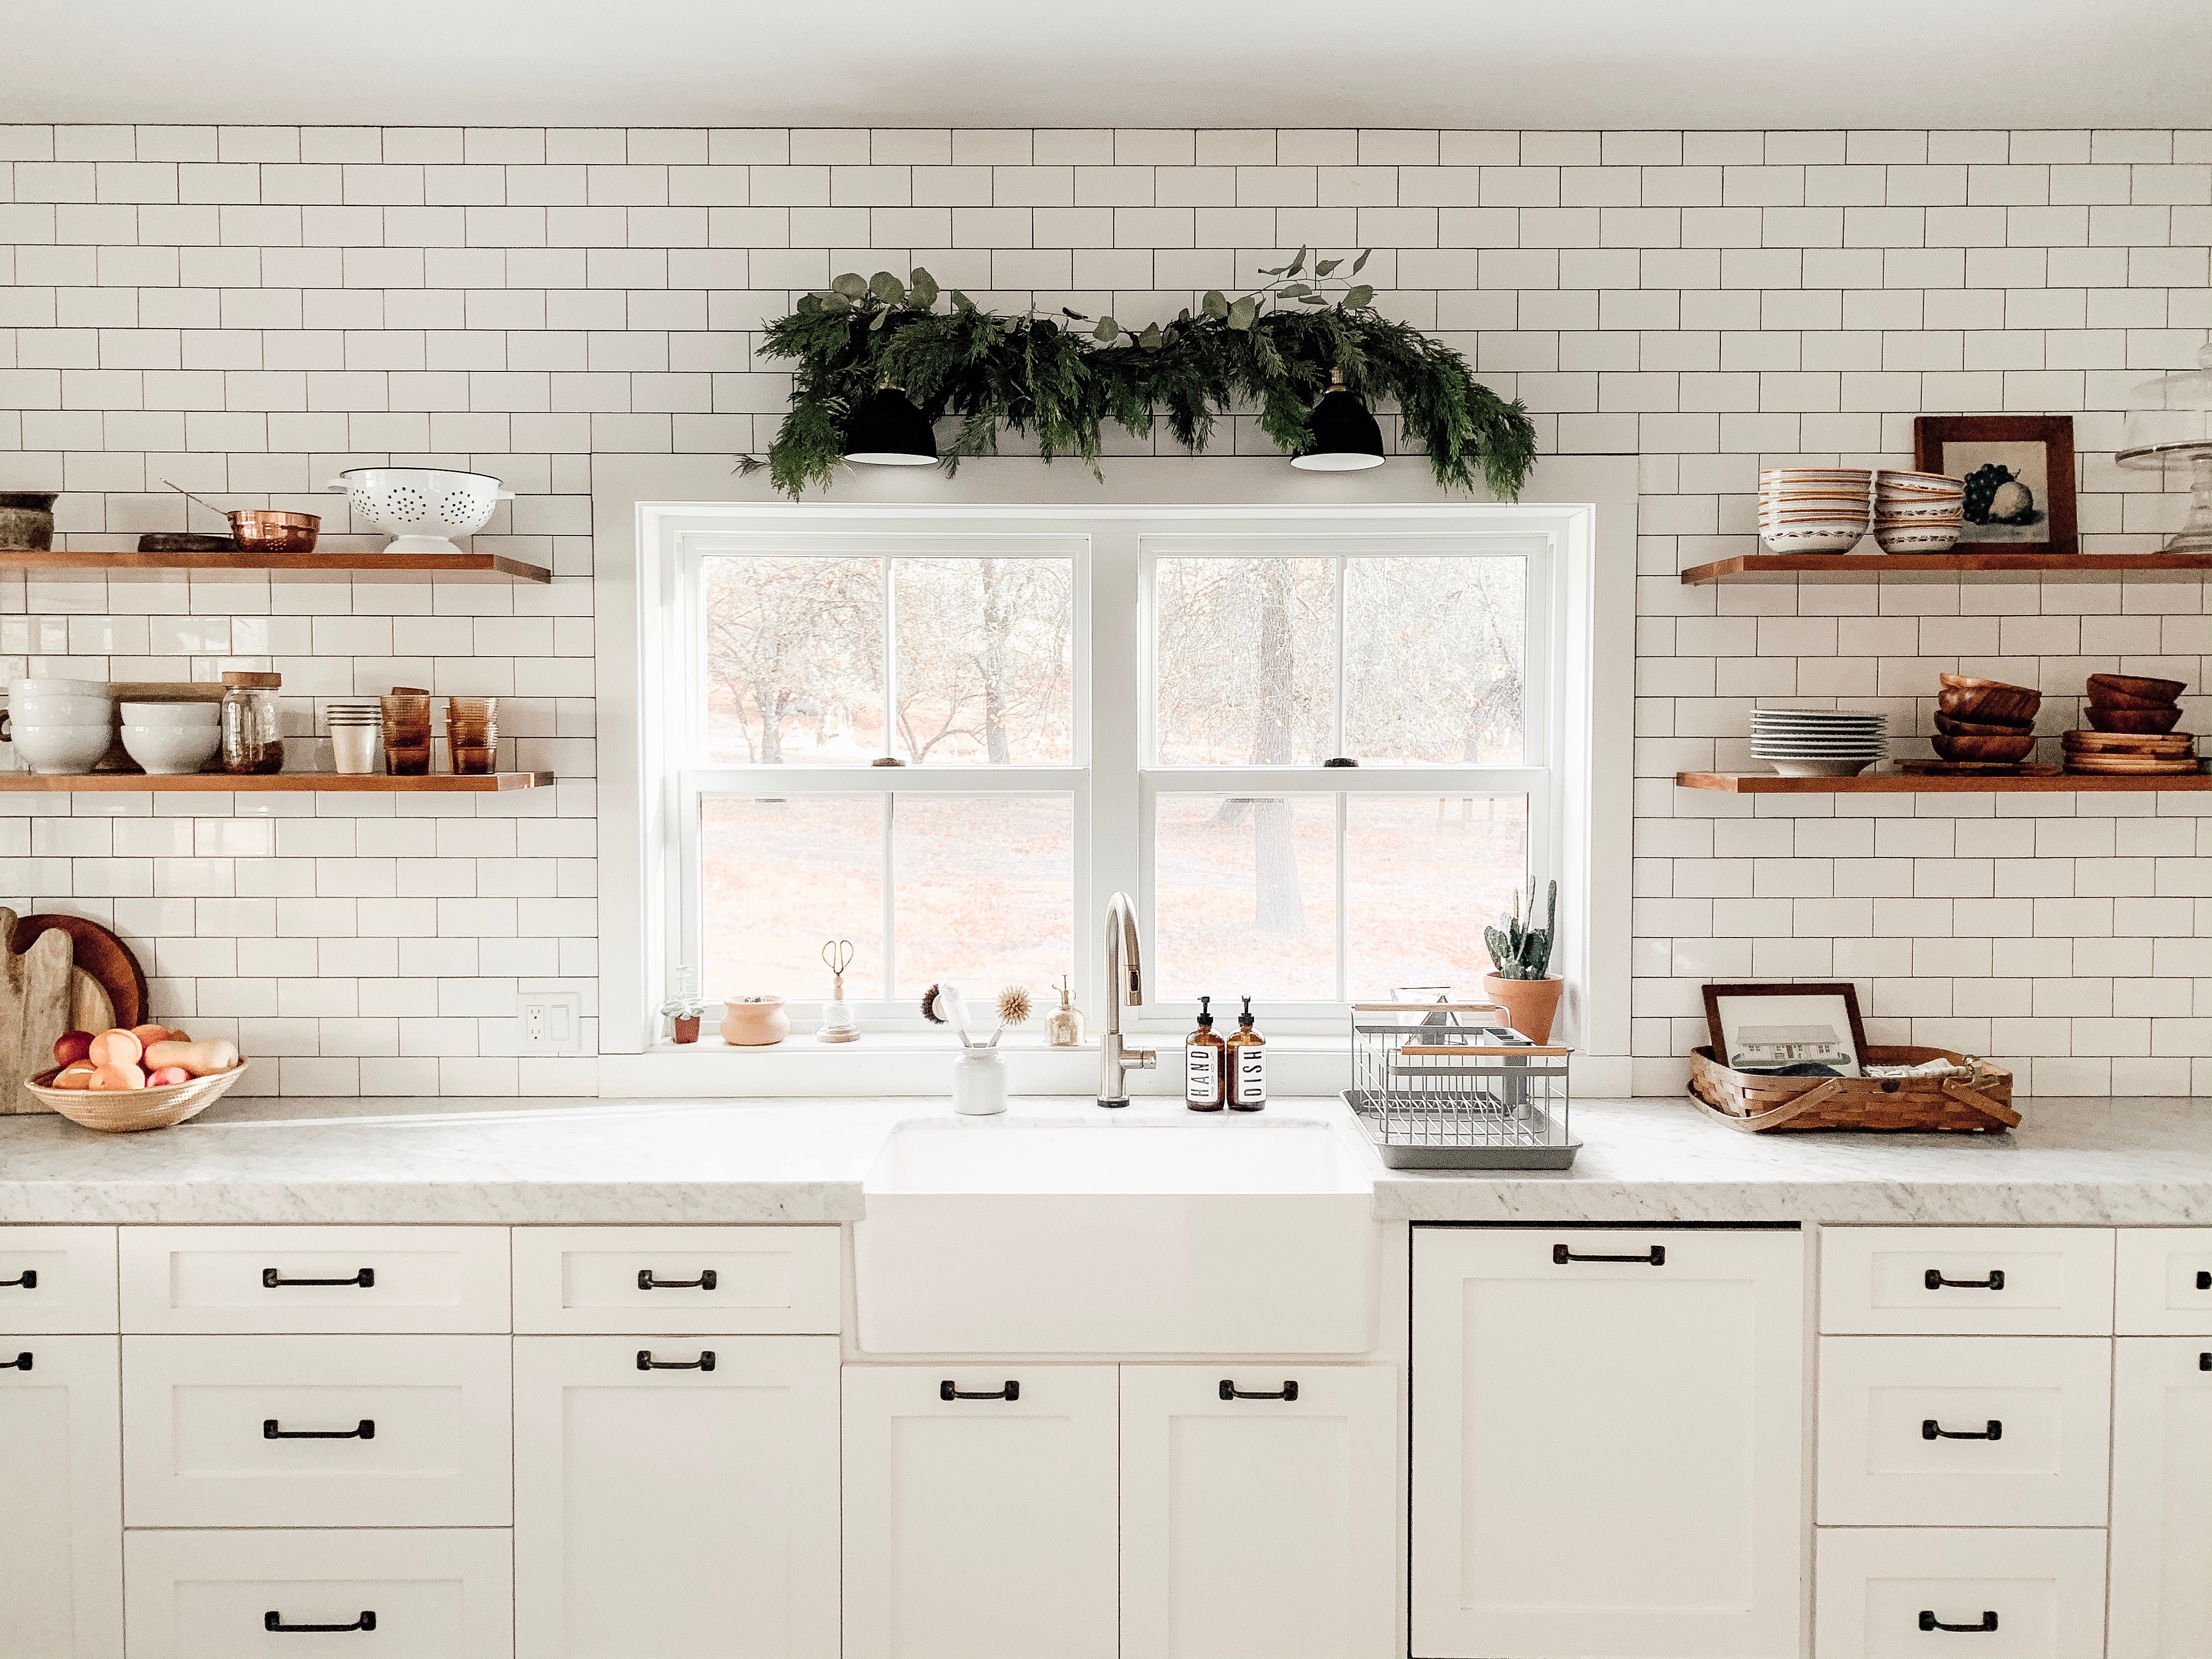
x,y
404,1595
1607,1433
58,1280
1964,1430
701,1280
2166,1281
1972,1281
61,1512
688,1512
2161,1606
1930,1592
1257,1527
980,1511
316,1431
285,1280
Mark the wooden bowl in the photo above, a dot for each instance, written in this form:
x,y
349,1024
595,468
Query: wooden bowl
x,y
2133,685
1997,705
124,1111
2134,719
1984,748
1953,725
2103,696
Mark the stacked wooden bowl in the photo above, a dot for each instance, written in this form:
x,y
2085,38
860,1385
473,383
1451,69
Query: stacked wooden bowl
x,y
1982,726
2132,722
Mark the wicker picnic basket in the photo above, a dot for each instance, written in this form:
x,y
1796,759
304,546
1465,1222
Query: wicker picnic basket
x,y
1743,1100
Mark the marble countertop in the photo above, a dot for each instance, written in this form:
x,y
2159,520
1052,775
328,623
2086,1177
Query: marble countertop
x,y
2080,1162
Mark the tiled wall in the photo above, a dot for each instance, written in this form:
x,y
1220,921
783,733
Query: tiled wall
x,y
245,310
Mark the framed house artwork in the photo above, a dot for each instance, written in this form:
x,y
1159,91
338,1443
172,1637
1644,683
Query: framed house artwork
x,y
1799,1030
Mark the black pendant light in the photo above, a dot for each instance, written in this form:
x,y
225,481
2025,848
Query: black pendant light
x,y
888,430
1346,438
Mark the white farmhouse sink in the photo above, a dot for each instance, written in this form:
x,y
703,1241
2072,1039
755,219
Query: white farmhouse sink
x,y
1010,1236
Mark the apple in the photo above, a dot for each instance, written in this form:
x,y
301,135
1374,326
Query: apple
x,y
149,1034
71,1047
166,1076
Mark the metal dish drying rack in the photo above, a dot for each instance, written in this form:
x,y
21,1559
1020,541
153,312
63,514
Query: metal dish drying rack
x,y
1450,1085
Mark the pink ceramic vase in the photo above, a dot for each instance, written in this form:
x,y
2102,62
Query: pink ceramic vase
x,y
754,1022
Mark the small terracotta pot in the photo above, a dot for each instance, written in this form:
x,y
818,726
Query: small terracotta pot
x,y
1530,1005
687,1030
754,1022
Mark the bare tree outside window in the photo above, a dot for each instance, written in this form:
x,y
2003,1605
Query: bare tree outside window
x,y
984,652
794,660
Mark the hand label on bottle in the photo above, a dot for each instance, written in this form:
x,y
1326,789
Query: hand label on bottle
x,y
1198,1075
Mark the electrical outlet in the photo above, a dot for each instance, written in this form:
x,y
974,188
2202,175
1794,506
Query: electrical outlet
x,y
552,1023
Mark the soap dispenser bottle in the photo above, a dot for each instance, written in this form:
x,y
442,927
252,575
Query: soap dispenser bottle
x,y
1246,1056
1063,1029
1203,1074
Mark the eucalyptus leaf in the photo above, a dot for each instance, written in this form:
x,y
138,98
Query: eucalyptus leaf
x,y
1215,306
1322,267
1360,296
1074,316
808,304
1149,339
1242,314
1272,271
923,288
850,286
1183,315
1107,332
961,301
875,322
1357,264
887,288
1167,337
1313,299
1296,265
835,302
1293,291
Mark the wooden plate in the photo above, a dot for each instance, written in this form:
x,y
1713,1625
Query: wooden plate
x,y
2146,767
1941,768
100,954
2129,743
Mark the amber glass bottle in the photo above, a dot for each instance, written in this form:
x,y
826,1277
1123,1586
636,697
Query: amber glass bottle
x,y
1246,1056
1204,1077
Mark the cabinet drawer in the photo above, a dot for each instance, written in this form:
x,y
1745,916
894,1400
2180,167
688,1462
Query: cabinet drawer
x,y
281,1279
316,1431
58,1280
2166,1281
1970,1281
1964,1431
585,1281
1886,1593
214,1595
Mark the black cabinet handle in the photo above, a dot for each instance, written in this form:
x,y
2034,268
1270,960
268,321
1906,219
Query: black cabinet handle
x,y
1930,1621
21,1361
646,1281
27,1281
2203,1361
272,1279
1930,1431
1935,1281
364,1429
2204,1282
1012,1391
705,1362
1657,1257
1230,1391
275,1621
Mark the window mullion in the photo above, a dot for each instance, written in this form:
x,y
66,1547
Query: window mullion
x,y
1343,861
890,899
1336,731
890,657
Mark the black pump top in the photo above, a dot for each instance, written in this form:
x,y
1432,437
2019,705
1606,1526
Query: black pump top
x,y
1205,1014
1245,1018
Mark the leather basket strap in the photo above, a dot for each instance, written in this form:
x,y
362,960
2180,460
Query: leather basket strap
x,y
1778,1115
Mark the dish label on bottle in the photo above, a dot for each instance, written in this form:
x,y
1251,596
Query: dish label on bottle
x,y
1251,1081
1201,1075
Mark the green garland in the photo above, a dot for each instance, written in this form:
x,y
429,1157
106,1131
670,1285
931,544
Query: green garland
x,y
1274,348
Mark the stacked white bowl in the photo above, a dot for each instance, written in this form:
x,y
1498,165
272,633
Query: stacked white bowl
x,y
1813,509
1816,743
169,739
59,726
1918,512
356,727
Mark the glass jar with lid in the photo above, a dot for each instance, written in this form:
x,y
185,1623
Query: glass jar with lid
x,y
252,740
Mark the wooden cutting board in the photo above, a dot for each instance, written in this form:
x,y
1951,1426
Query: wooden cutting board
x,y
37,990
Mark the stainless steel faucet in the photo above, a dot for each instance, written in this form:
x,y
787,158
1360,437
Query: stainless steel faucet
x,y
1125,979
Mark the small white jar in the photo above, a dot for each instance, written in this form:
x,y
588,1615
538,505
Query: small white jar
x,y
979,1083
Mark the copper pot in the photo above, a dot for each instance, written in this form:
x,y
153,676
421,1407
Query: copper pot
x,y
265,530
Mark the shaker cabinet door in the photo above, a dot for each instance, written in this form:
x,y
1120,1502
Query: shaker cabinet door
x,y
61,1500
2161,1606
1607,1429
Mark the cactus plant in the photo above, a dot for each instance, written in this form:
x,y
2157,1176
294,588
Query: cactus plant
x,y
1524,951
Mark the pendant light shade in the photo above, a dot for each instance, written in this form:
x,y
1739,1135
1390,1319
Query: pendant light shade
x,y
888,430
1346,438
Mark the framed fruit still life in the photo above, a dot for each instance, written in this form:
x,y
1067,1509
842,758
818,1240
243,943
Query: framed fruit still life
x,y
2018,473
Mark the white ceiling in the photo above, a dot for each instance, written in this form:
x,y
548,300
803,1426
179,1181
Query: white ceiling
x,y
1554,64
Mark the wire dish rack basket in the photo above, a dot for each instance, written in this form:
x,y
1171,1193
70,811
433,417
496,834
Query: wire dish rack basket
x,y
1450,1085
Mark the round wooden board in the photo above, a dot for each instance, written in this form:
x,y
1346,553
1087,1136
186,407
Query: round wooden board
x,y
100,954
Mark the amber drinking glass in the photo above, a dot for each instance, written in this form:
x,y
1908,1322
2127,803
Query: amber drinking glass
x,y
471,733
406,734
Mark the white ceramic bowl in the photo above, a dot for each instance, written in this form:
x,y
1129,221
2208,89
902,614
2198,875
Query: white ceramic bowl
x,y
1933,483
169,751
48,709
1811,538
1916,538
172,713
1821,769
37,687
53,750
423,506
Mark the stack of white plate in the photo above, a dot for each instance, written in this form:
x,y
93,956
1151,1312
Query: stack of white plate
x,y
1813,509
1918,512
1806,743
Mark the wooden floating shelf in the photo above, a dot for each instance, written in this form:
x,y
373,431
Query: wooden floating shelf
x,y
222,783
1899,783
463,566
1951,567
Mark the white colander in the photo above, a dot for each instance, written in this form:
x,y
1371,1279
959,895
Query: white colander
x,y
424,507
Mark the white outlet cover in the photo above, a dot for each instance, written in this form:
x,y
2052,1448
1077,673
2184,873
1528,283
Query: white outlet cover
x,y
551,1022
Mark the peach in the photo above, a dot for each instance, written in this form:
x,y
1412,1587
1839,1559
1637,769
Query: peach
x,y
76,1075
118,1075
116,1048
147,1036
71,1047
168,1075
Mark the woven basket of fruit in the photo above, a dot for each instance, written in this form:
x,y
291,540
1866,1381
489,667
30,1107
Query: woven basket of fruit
x,y
147,1078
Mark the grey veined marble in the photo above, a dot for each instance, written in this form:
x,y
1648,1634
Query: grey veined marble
x,y
2095,1162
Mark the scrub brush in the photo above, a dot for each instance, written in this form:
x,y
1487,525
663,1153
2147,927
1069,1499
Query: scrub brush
x,y
942,1003
1013,1010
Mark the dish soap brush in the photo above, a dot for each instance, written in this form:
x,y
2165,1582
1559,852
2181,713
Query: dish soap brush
x,y
942,1004
1013,1010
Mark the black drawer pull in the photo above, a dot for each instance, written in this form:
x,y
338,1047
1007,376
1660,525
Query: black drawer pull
x,y
646,1281
1930,1431
2204,1282
1935,1281
272,1279
705,1362
946,1391
1657,1258
2203,1361
1230,1391
275,1621
364,1429
21,1361
27,1281
1930,1621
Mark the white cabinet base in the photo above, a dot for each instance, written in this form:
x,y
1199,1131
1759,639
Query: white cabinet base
x,y
2162,1499
61,1501
1885,1593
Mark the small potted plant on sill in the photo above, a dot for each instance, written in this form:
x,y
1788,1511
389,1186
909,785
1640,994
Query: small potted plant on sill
x,y
683,1007
1522,953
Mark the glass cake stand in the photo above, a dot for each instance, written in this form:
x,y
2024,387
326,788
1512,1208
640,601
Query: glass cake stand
x,y
2171,425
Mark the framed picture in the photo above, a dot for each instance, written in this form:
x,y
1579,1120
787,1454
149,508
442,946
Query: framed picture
x,y
1800,1031
2018,470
